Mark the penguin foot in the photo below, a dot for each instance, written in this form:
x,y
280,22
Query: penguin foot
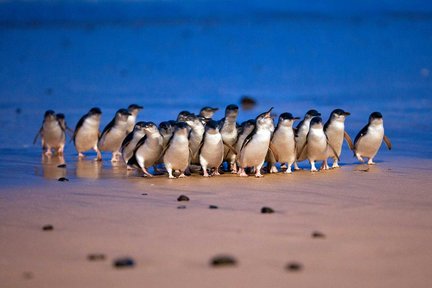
x,y
171,177
216,173
273,169
370,162
314,170
359,158
80,155
242,173
259,175
288,171
182,175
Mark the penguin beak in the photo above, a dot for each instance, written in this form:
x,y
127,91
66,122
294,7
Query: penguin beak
x,y
347,113
296,118
268,113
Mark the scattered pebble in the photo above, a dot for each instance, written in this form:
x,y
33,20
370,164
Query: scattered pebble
x,y
247,102
213,207
96,257
61,166
181,207
144,194
294,266
223,261
267,210
48,227
317,234
63,179
27,275
183,198
125,262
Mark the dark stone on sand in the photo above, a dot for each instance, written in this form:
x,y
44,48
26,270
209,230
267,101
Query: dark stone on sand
x,y
267,210
48,227
125,262
294,266
96,257
213,207
28,275
223,261
61,166
183,198
63,179
247,102
317,234
181,207
144,194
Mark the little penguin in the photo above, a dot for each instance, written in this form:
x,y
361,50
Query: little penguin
x,y
256,145
228,130
131,141
301,132
211,151
114,133
52,134
334,129
207,113
61,118
195,136
133,109
177,153
369,139
283,143
148,150
166,129
316,146
181,117
244,130
87,132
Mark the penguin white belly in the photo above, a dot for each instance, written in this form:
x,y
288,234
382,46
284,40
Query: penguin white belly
x,y
194,145
113,139
131,122
53,135
369,144
317,146
254,153
212,151
177,154
335,135
87,136
284,144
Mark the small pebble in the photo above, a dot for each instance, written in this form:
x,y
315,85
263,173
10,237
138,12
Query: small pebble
x,y
222,261
183,198
144,194
63,179
48,228
294,266
28,275
181,207
213,207
96,257
124,263
317,234
267,210
61,166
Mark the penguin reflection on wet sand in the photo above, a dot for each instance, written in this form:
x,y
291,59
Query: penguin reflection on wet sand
x,y
316,146
114,133
284,145
369,139
211,151
177,153
334,129
256,145
133,109
131,141
86,133
52,134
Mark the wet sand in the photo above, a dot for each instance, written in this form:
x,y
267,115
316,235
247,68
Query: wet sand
x,y
377,227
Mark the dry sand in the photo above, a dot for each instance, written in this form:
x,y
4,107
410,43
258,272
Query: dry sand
x,y
377,227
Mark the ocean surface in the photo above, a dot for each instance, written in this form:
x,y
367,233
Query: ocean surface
x,y
182,55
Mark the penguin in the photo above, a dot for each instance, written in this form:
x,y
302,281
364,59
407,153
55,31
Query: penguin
x,y
302,130
369,139
195,136
133,109
177,153
181,117
148,150
334,129
228,130
207,113
283,143
130,142
244,130
256,145
62,120
211,151
316,146
87,132
114,133
166,129
52,134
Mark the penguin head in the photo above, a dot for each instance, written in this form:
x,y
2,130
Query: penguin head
x,y
150,127
265,120
181,117
60,117
312,113
49,115
212,127
375,118
231,111
287,119
122,115
95,112
139,126
134,109
194,121
316,123
181,128
208,112
339,115
167,127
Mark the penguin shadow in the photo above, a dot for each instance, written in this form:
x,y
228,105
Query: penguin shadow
x,y
53,167
364,167
88,169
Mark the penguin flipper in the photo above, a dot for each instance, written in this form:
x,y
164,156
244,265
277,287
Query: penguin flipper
x,y
272,151
348,140
302,149
231,148
333,150
387,141
39,133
